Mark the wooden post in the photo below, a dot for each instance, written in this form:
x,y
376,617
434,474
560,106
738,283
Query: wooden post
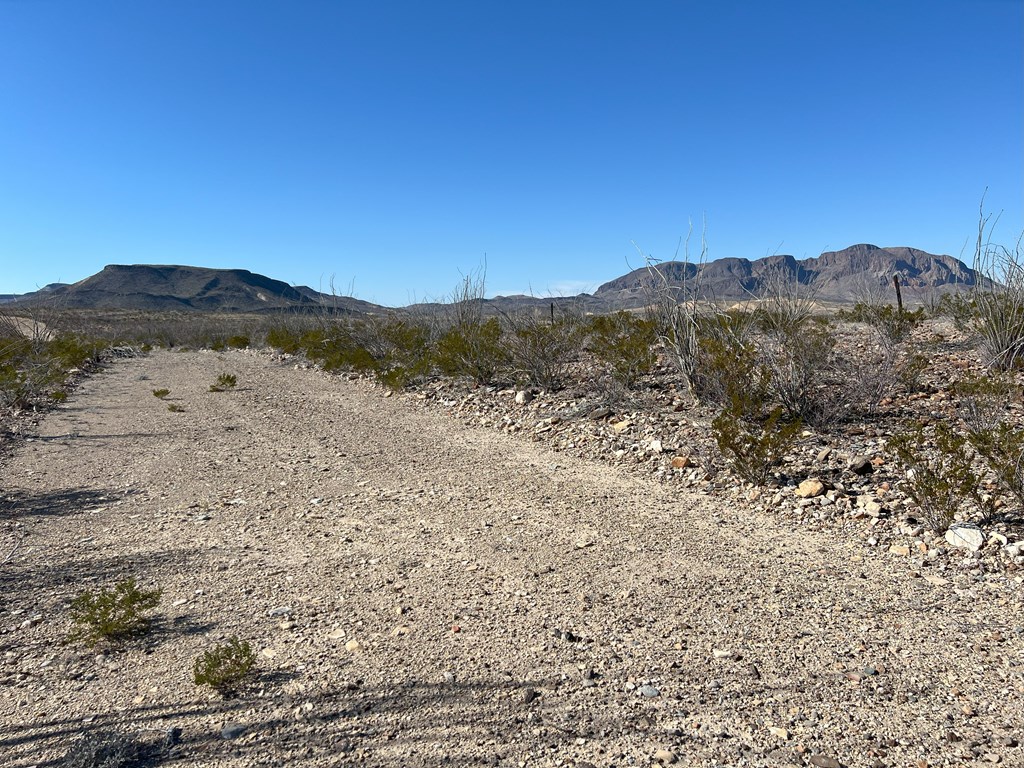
x,y
899,295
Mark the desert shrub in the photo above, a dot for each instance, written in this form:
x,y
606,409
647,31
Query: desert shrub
x,y
238,341
112,614
754,444
624,343
982,407
940,473
998,299
399,349
959,308
160,394
473,348
224,381
542,350
726,361
892,325
225,667
105,749
175,408
288,340
804,375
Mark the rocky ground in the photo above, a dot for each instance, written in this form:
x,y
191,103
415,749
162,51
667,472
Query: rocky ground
x,y
452,577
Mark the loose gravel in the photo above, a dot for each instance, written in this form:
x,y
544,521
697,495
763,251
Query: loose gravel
x,y
422,592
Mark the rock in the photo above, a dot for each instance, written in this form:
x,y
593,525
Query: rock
x,y
622,426
282,610
936,581
821,761
232,730
523,397
401,630
779,733
823,455
665,757
965,536
649,691
353,646
861,465
656,446
599,413
811,488
530,695
287,625
721,654
681,462
899,549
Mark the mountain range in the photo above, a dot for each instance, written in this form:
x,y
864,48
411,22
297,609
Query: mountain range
x,y
835,276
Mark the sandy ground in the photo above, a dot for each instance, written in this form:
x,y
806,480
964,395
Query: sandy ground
x,y
425,593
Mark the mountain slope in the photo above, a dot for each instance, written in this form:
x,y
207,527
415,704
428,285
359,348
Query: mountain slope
x,y
182,288
841,276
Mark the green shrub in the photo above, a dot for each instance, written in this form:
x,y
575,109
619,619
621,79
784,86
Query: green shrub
x,y
238,341
624,343
225,667
161,393
175,408
940,473
753,444
224,381
472,348
112,614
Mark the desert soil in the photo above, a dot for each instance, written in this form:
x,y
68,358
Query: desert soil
x,y
421,592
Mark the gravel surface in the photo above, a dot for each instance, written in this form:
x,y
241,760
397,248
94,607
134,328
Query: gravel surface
x,y
422,592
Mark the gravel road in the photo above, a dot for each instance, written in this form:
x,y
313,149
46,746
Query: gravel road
x,y
425,593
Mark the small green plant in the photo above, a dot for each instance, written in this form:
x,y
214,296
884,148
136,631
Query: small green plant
x,y
224,381
238,341
940,473
472,348
112,614
754,445
625,344
175,408
59,396
160,394
224,667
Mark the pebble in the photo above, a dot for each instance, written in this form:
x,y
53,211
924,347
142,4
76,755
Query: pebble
x,y
282,610
232,730
665,757
353,646
649,691
811,488
821,761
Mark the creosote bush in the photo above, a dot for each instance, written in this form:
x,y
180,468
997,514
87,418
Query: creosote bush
x,y
160,394
225,667
753,444
224,381
624,343
940,480
472,348
112,614
175,408
542,349
105,749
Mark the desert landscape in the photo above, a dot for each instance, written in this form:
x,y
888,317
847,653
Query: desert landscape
x,y
439,570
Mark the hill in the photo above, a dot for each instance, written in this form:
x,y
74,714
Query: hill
x,y
839,276
181,288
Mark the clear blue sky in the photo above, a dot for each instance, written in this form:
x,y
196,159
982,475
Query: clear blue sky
x,y
394,144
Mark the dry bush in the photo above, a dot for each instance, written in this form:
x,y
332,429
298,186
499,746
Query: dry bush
x,y
542,349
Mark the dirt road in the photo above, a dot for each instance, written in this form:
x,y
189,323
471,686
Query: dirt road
x,y
423,593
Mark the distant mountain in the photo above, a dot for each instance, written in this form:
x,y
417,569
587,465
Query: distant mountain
x,y
6,298
179,288
838,276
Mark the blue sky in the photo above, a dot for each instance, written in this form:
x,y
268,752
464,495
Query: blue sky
x,y
392,145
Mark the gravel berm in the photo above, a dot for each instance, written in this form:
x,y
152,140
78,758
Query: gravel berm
x,y
424,593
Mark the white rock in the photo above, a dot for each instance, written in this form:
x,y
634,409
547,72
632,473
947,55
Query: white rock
x,y
965,536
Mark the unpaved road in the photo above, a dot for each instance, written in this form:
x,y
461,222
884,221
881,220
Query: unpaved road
x,y
511,606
